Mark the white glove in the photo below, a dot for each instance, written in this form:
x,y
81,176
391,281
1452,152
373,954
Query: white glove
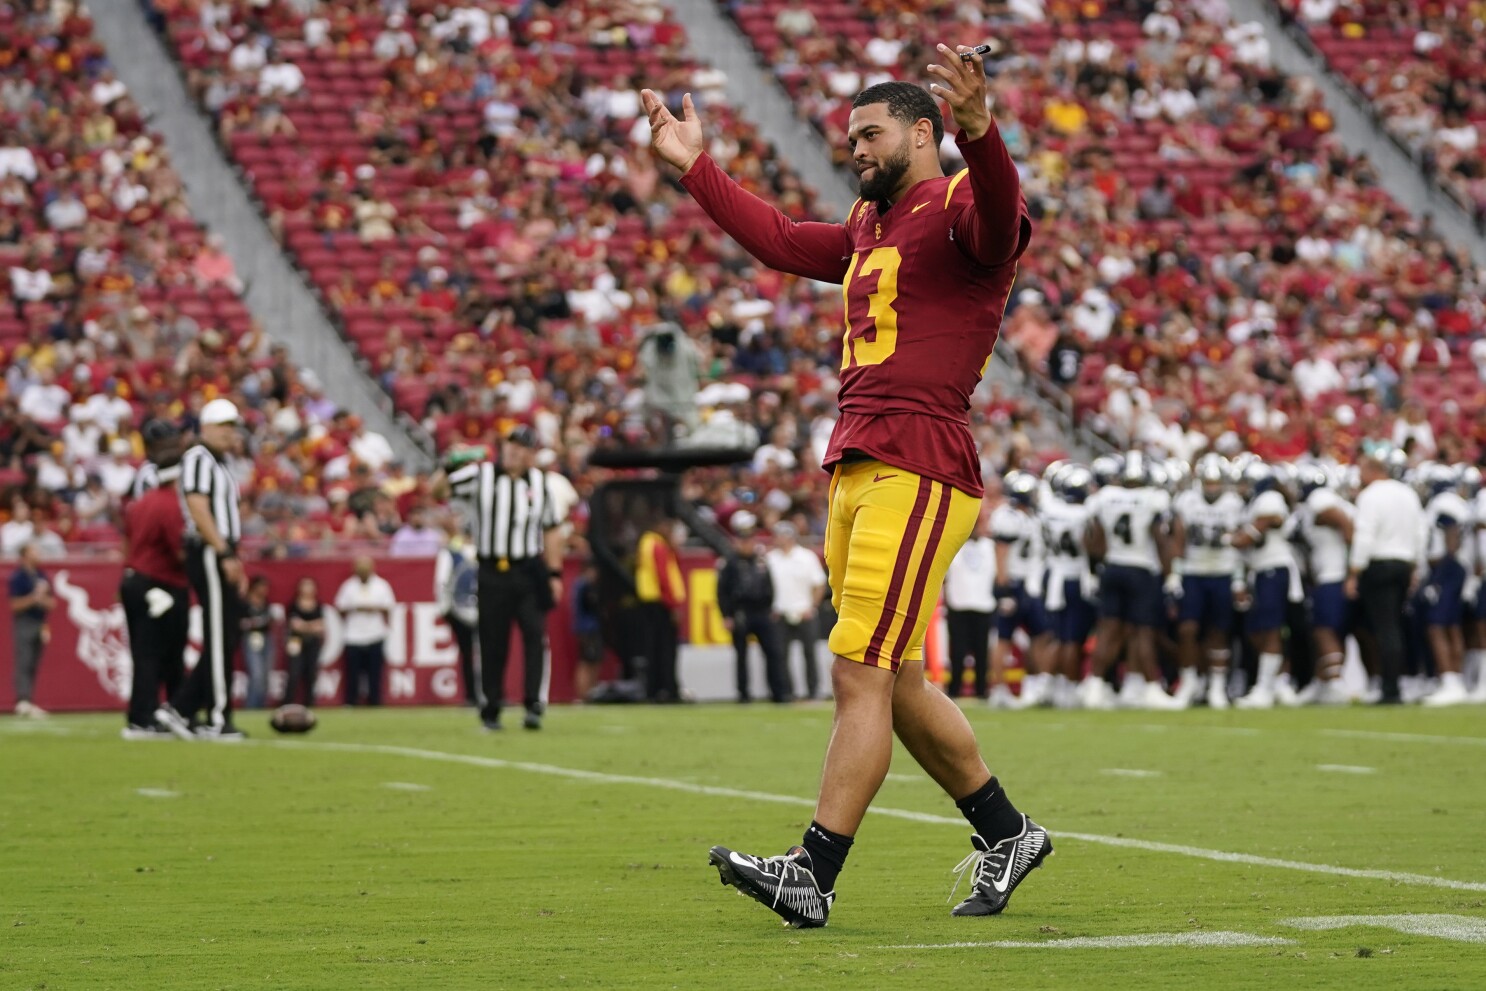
x,y
1472,590
1173,586
1090,585
159,602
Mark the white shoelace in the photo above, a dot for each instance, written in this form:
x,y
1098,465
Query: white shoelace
x,y
789,870
974,864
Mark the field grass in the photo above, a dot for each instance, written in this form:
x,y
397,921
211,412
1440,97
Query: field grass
x,y
364,856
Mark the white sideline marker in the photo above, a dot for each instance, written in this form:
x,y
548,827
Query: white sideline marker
x,y
1346,769
157,793
1129,772
905,778
670,784
404,786
1203,940
1366,734
1456,928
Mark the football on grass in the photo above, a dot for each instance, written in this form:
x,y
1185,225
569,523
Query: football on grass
x,y
292,719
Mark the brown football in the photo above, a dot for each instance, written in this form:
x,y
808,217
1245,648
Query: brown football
x,y
293,719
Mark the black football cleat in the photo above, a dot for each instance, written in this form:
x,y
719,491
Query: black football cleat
x,y
786,884
995,871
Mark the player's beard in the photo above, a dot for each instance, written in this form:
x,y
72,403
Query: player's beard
x,y
886,176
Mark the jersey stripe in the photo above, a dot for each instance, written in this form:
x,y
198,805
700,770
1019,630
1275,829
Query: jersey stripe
x,y
950,192
925,565
900,570
851,214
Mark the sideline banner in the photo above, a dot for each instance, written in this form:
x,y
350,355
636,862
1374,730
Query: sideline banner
x,y
87,664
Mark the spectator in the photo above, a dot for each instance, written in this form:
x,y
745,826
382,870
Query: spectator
x,y
365,601
257,641
303,640
588,629
18,531
456,577
416,537
30,602
745,597
280,77
1413,433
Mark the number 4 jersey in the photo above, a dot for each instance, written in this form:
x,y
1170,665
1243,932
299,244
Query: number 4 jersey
x,y
925,280
1127,517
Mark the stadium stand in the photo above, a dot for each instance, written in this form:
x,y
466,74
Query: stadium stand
x,y
1418,66
1209,263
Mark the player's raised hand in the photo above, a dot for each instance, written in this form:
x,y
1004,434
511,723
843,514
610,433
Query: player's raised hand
x,y
678,142
962,85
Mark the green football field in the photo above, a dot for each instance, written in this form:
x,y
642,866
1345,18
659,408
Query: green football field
x,y
406,849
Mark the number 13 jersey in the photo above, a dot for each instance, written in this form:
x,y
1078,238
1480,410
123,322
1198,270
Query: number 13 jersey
x,y
922,317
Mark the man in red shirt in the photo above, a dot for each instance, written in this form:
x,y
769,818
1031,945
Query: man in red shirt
x,y
155,590
926,263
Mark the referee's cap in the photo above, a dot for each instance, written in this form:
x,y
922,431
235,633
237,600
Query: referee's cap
x,y
219,411
523,435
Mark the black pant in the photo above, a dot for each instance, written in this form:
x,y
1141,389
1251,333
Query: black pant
x,y
506,598
659,651
969,636
464,640
804,634
209,685
157,644
1384,589
304,669
760,625
364,664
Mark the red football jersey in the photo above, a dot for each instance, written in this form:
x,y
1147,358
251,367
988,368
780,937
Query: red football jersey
x,y
925,282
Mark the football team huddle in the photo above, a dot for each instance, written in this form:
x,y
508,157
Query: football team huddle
x,y
1227,582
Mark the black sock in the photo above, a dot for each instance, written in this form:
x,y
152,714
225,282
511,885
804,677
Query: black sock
x,y
991,813
827,852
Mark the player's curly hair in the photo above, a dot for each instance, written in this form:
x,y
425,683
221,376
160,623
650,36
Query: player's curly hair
x,y
906,102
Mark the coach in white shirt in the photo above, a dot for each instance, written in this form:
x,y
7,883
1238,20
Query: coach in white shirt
x,y
1387,547
365,602
799,583
969,603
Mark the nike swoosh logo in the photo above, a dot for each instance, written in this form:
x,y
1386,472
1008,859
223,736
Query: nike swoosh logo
x,y
882,478
1004,881
739,859
919,207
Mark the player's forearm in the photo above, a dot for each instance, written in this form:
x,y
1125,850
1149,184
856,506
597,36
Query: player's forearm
x,y
993,230
815,251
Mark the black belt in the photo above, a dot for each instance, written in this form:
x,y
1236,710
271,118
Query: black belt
x,y
507,563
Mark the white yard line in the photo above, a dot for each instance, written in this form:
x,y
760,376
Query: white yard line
x,y
670,784
1189,939
1346,769
404,786
1364,734
157,793
1130,772
1457,928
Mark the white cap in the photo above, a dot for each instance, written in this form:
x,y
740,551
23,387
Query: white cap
x,y
218,411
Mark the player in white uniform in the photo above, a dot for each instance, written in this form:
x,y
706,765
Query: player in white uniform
x,y
1475,627
1019,564
1203,578
1271,567
1071,611
1441,599
1128,532
1326,530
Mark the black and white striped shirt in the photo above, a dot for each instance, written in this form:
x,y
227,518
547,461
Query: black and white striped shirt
x,y
150,477
512,515
203,474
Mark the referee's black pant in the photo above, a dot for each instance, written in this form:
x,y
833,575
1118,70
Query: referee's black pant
x,y
209,685
513,596
156,643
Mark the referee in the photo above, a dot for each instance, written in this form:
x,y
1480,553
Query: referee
x,y
155,591
519,549
213,529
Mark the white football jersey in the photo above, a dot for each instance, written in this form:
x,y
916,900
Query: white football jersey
x,y
1443,509
1328,549
1022,532
1063,535
1127,517
1210,528
1273,551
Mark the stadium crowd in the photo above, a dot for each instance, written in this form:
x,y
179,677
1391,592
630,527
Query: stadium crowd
x,y
1418,65
477,209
